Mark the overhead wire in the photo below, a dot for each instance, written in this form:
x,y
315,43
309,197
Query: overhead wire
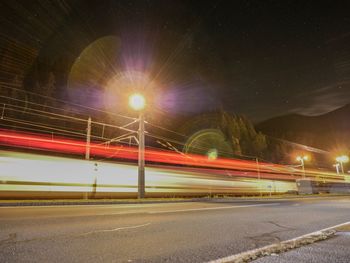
x,y
70,103
41,131
165,129
196,147
26,109
67,117
43,114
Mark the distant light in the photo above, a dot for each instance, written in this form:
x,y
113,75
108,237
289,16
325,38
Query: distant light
x,y
342,159
304,157
137,101
212,154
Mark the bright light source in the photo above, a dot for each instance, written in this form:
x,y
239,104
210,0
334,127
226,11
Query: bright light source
x,y
212,154
342,159
304,157
137,101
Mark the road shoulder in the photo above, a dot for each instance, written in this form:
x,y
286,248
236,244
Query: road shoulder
x,y
271,253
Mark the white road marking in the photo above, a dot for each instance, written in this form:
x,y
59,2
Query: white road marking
x,y
115,229
208,208
238,256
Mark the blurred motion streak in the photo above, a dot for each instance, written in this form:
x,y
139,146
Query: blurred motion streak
x,y
168,173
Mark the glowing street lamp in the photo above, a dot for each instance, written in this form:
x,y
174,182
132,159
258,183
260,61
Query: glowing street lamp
x,y
138,102
302,160
341,160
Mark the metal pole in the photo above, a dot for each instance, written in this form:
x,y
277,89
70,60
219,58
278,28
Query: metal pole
x,y
342,167
337,168
141,157
3,111
88,139
258,170
303,167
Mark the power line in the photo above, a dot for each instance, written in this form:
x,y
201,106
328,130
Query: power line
x,y
195,147
26,109
40,125
68,103
32,103
42,113
165,129
42,131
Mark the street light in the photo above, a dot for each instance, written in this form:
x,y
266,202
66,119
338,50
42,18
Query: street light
x,y
341,160
138,103
302,160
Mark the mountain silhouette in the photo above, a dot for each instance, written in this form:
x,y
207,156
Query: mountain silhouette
x,y
329,131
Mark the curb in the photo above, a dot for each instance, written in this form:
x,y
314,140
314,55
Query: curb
x,y
4,203
282,246
63,203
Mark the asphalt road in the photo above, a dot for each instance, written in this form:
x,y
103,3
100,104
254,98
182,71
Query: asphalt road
x,y
163,232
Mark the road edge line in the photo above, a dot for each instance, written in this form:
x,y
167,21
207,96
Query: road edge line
x,y
209,208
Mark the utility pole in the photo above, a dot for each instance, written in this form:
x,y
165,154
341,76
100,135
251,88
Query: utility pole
x,y
259,178
302,160
336,168
88,139
342,167
303,167
341,160
141,157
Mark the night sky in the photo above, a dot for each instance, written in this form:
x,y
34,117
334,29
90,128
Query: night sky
x,y
258,58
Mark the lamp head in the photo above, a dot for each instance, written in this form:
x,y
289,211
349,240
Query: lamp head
x,y
342,159
302,158
137,102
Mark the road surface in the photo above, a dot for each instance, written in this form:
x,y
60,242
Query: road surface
x,y
162,232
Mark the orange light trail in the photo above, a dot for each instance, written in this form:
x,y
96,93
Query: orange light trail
x,y
242,168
